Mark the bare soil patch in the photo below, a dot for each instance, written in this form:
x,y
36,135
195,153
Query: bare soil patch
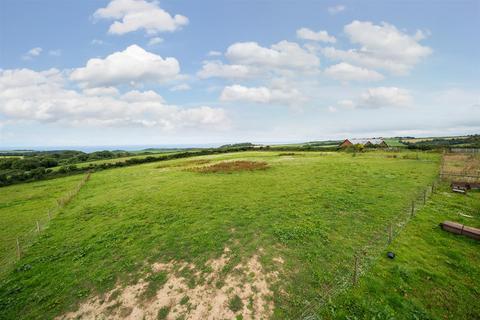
x,y
233,166
286,154
242,292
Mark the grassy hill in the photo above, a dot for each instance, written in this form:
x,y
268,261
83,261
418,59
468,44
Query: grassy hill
x,y
267,234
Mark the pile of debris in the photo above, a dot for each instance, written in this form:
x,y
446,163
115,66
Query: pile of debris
x,y
463,187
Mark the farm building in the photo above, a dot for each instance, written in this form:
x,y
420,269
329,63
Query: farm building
x,y
364,142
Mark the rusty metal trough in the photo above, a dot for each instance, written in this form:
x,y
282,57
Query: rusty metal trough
x,y
458,228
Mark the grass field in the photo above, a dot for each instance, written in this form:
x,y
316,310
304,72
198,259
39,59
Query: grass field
x,y
435,274
286,232
22,205
394,143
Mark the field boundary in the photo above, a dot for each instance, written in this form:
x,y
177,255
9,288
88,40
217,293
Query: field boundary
x,y
22,242
368,255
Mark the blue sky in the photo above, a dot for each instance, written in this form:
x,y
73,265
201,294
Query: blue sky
x,y
126,72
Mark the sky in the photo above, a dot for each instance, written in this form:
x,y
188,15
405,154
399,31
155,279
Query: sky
x,y
178,72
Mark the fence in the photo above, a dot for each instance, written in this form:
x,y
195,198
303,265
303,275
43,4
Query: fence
x,y
21,243
465,150
366,256
460,166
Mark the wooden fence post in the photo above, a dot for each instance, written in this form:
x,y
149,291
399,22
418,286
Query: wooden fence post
x,y
355,270
19,250
390,233
443,164
38,226
413,209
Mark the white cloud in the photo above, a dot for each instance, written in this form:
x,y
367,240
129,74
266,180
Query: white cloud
x,y
264,95
97,42
181,87
133,15
347,72
34,52
282,55
101,91
214,53
381,46
241,93
46,97
336,9
55,53
217,69
347,104
420,35
133,65
380,97
142,96
307,34
154,41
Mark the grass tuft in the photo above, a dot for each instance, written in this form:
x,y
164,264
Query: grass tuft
x,y
235,304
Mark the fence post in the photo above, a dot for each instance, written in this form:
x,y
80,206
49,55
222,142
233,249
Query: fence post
x,y
413,208
38,226
19,250
355,270
390,233
443,164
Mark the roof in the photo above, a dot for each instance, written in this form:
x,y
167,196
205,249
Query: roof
x,y
365,141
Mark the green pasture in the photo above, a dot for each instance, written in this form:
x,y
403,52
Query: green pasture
x,y
315,210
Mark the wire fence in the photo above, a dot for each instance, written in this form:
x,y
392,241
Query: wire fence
x,y
460,166
368,255
16,247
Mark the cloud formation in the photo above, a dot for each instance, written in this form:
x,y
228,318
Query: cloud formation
x,y
47,97
346,72
276,94
336,9
380,97
381,46
133,15
34,52
154,41
217,69
131,66
322,35
282,55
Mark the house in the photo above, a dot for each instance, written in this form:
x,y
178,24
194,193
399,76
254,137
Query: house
x,y
364,142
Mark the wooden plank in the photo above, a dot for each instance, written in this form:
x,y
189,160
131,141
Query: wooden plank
x,y
457,228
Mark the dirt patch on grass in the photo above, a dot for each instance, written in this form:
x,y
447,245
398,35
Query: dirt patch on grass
x,y
198,162
288,154
233,166
224,291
